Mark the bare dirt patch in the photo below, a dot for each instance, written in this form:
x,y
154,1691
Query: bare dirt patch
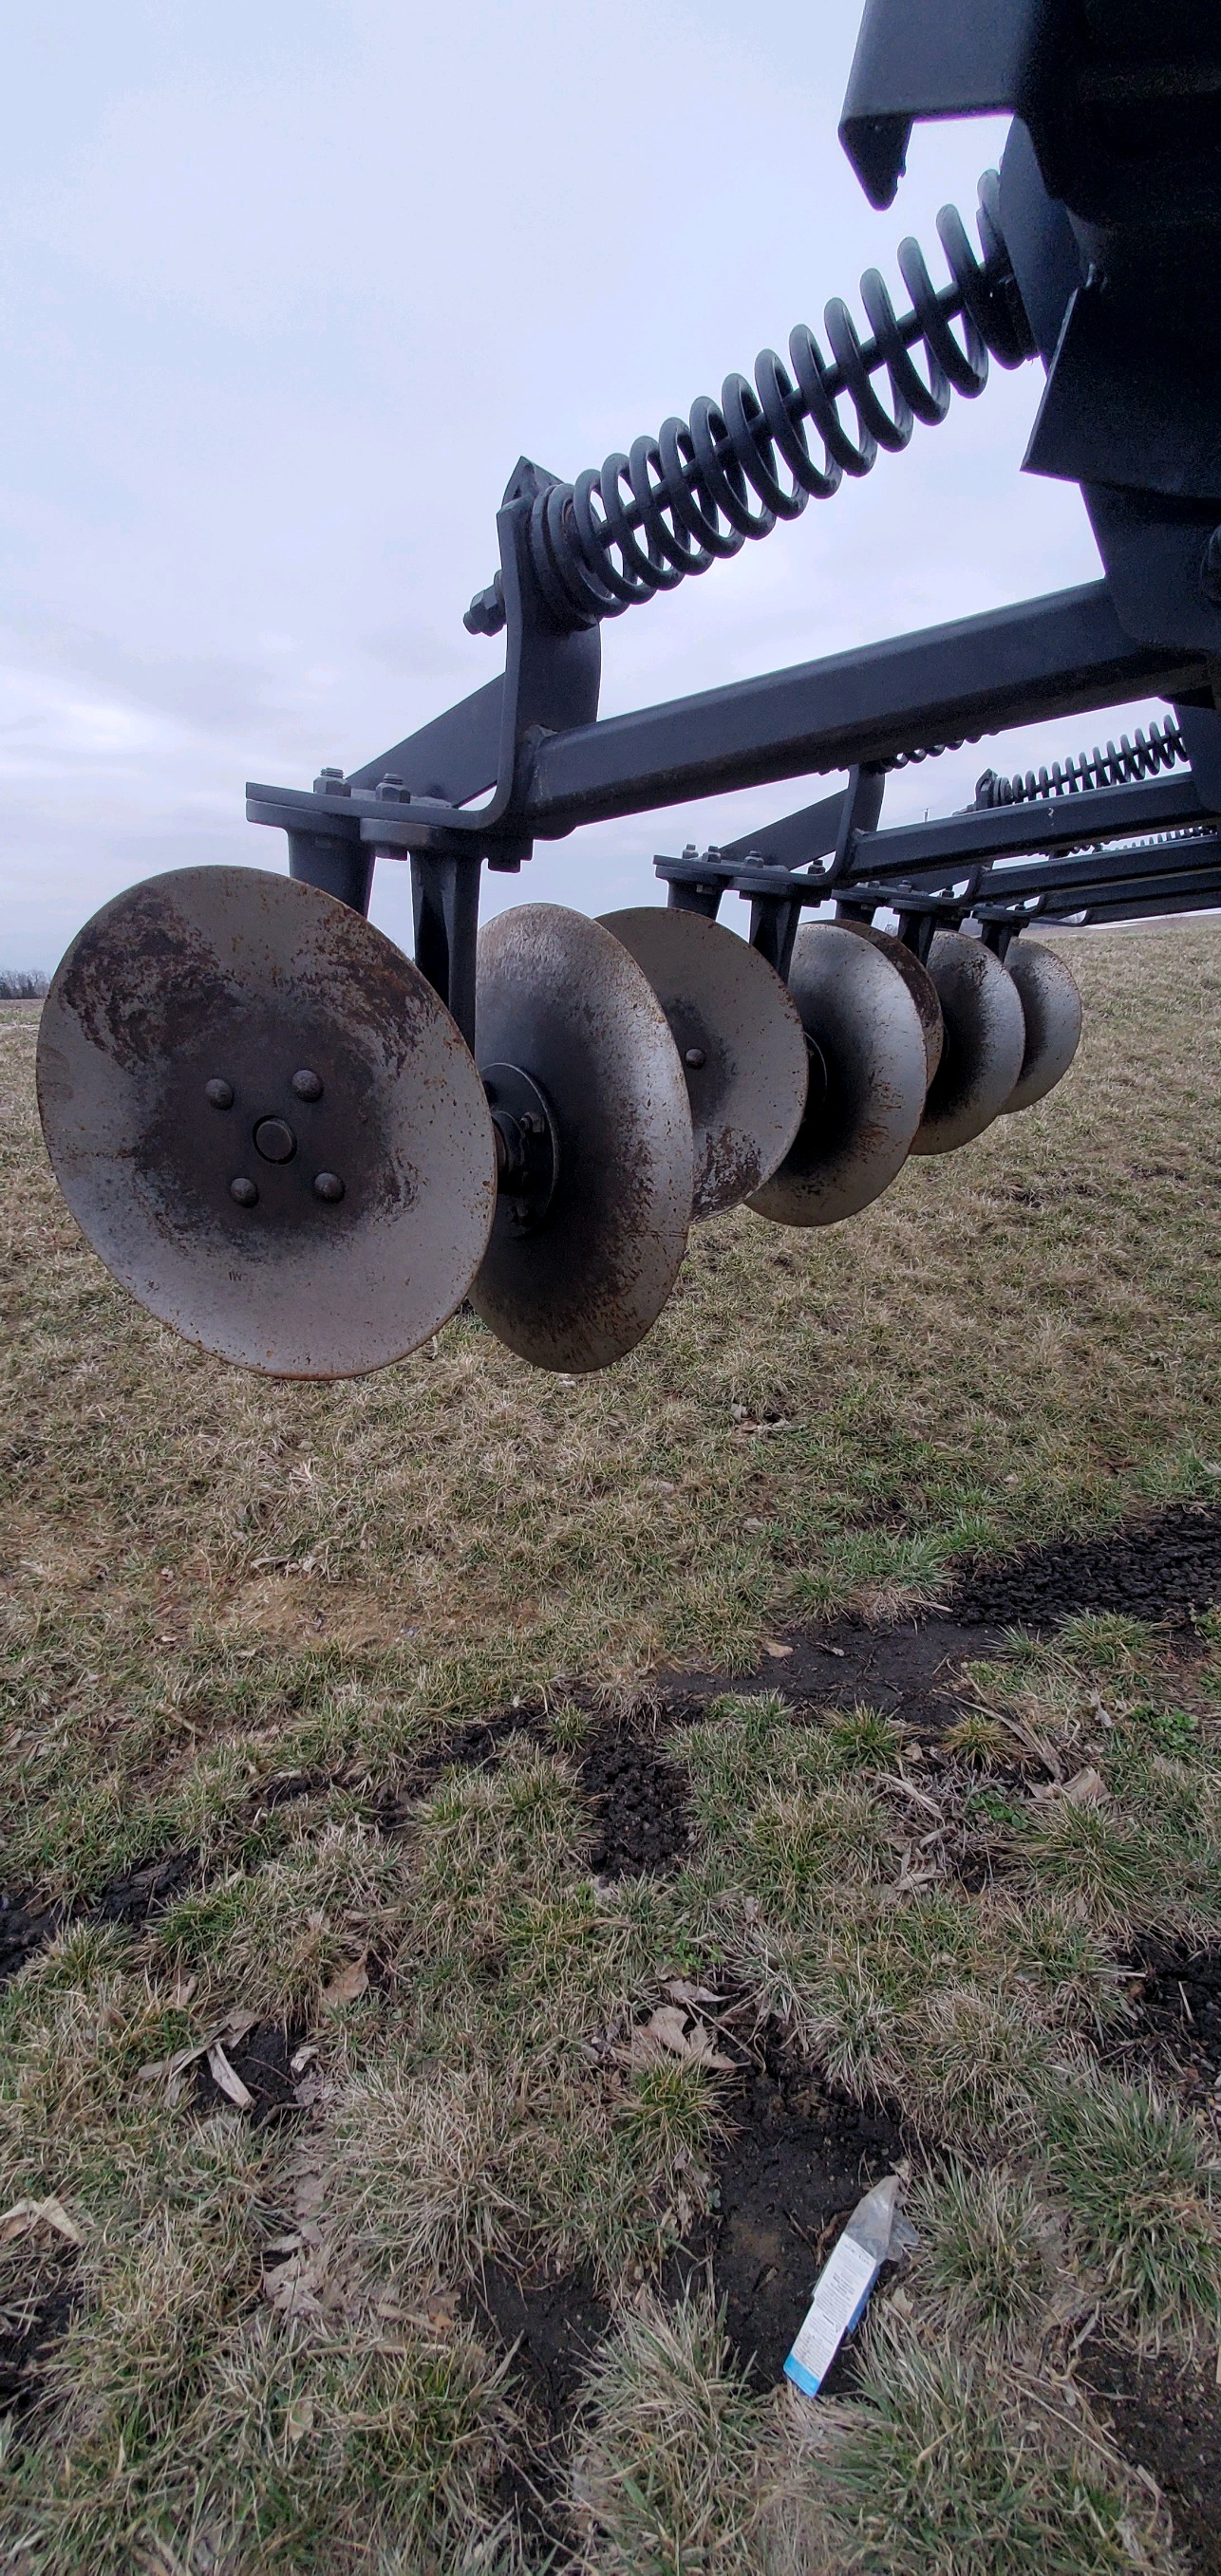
x,y
262,2062
37,2300
28,1921
1166,2418
638,1803
799,2154
1176,2000
1163,1568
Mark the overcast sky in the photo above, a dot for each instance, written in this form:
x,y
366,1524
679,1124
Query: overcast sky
x,y
290,284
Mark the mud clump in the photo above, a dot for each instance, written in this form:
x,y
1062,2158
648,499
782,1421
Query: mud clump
x,y
1161,1569
638,1801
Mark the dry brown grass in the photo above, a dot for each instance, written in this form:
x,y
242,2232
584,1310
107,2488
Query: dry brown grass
x,y
210,1581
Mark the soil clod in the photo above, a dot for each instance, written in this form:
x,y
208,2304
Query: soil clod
x,y
1163,1568
639,1804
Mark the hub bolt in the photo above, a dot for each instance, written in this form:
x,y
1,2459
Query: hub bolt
x,y
244,1191
327,1185
695,1057
219,1093
275,1140
307,1086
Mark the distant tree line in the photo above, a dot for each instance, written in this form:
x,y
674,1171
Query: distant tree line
x,y
22,984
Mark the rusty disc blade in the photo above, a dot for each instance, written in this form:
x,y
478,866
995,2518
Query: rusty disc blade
x,y
1051,1008
740,1043
867,1079
985,1039
919,983
559,997
265,1122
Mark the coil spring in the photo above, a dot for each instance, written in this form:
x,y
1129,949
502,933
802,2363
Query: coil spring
x,y
1161,748
640,523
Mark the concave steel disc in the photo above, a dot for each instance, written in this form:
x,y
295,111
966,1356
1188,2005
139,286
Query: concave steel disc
x,y
560,998
985,1040
739,1039
919,983
1051,1007
867,1079
265,1122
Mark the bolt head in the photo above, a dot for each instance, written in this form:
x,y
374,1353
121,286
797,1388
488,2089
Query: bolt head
x,y
330,782
275,1140
244,1191
328,1186
307,1086
220,1093
392,790
695,1058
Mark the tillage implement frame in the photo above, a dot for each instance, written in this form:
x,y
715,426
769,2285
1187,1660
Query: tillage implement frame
x,y
304,1150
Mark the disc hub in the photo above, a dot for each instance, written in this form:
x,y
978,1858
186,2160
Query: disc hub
x,y
527,1145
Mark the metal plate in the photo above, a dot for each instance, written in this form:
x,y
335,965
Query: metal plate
x,y
560,997
860,1120
214,1007
985,1039
919,983
739,1040
1051,1007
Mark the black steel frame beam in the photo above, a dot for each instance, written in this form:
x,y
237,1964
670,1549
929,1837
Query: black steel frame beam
x,y
1052,657
1052,876
1057,656
984,834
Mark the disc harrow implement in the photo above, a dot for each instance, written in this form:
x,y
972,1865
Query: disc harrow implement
x,y
304,1149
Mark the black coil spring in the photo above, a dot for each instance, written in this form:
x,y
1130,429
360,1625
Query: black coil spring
x,y
640,523
1162,747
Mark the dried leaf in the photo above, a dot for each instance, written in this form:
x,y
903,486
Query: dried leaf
x,y
669,2027
235,2025
301,2058
223,2074
298,2419
1085,1789
27,2214
773,1647
685,1993
348,1986
666,2033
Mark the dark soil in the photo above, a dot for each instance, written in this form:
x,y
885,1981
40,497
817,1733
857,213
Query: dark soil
x,y
1167,2419
36,2305
1163,1568
909,1670
25,1927
473,1746
1176,1997
145,1891
637,1800
557,2324
798,2157
28,1922
261,2059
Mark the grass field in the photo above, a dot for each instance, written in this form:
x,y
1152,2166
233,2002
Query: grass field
x,y
241,1617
